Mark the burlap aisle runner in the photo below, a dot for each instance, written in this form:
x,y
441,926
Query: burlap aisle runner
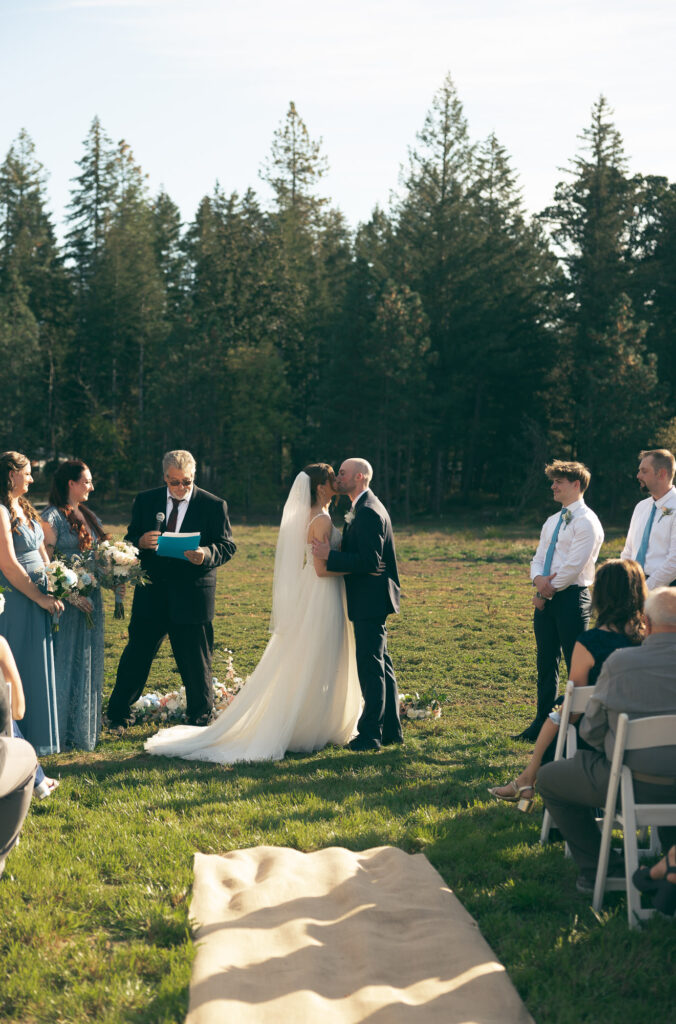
x,y
336,937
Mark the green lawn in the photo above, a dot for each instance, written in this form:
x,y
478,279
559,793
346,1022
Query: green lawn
x,y
94,903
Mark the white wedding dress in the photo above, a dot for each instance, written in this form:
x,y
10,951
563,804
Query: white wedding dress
x,y
303,694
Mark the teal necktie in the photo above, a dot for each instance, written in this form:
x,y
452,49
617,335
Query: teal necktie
x,y
643,550
552,544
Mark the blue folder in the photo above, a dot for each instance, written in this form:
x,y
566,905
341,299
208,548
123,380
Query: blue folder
x,y
172,545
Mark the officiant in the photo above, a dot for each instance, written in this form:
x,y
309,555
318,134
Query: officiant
x,y
179,601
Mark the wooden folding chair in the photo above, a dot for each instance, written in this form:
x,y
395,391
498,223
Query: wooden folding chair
x,y
574,703
635,734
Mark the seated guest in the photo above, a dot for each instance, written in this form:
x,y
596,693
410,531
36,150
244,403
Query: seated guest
x,y
18,762
641,682
618,598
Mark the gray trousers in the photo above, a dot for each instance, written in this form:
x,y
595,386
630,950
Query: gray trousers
x,y
18,763
572,787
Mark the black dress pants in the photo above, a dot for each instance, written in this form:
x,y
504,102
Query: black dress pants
x,y
556,629
192,646
380,718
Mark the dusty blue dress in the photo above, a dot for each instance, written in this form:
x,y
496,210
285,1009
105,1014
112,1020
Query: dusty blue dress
x,y
78,654
28,631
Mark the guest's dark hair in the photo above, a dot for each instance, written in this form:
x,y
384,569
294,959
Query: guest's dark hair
x,y
319,473
12,462
70,471
619,596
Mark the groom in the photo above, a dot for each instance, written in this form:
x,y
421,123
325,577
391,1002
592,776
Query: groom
x,y
368,560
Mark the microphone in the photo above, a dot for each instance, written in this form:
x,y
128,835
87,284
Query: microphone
x,y
159,519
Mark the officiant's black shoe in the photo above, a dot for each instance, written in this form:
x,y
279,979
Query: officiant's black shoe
x,y
361,746
392,741
206,719
117,725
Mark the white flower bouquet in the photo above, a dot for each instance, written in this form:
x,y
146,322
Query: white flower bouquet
x,y
411,706
86,583
117,564
61,584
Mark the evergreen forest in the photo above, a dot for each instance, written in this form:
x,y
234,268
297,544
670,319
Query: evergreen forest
x,y
453,340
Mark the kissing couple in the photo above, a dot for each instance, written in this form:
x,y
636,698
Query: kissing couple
x,y
331,596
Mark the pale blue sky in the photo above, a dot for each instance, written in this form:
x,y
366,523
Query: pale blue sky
x,y
197,87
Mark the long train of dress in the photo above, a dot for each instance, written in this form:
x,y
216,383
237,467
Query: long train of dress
x,y
303,694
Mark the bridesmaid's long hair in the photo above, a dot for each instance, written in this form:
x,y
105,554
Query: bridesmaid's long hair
x,y
319,473
73,469
12,462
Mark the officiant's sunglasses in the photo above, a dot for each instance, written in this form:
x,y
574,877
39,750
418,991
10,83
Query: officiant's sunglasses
x,y
178,483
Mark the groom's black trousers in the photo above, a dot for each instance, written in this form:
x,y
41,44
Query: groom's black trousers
x,y
192,646
556,629
379,722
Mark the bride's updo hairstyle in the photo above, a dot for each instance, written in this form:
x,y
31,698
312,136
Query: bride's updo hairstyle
x,y
319,473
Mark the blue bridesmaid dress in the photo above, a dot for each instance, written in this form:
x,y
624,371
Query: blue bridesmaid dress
x,y
28,631
78,653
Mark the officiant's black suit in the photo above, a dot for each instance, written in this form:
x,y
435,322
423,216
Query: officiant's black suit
x,y
367,554
179,601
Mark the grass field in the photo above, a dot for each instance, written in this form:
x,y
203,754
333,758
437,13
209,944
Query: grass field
x,y
94,904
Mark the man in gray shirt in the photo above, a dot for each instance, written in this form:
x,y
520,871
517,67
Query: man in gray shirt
x,y
640,681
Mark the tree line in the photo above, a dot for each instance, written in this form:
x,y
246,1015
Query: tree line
x,y
452,339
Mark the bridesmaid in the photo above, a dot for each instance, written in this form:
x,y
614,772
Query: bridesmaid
x,y
26,623
72,529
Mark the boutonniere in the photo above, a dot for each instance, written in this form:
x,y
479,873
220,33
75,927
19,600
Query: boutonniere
x,y
349,516
567,516
666,511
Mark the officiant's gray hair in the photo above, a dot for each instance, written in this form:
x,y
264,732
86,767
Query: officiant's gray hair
x,y
181,459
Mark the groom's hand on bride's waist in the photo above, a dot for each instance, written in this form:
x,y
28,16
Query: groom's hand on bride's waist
x,y
321,549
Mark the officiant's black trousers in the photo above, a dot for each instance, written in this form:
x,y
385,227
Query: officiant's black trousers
x,y
192,645
556,628
379,720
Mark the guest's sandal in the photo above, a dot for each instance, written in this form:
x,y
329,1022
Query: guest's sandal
x,y
665,897
515,796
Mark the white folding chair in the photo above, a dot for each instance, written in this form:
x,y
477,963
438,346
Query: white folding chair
x,y
574,703
637,734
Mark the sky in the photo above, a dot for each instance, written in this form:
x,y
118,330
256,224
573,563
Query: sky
x,y
198,87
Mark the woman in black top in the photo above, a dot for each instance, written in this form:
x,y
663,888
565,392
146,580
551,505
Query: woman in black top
x,y
618,598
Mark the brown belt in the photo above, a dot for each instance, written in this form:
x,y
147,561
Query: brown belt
x,y
656,780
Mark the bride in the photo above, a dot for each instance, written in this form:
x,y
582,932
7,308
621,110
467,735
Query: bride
x,y
304,692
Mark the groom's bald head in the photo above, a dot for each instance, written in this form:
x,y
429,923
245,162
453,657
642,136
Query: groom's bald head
x,y
354,476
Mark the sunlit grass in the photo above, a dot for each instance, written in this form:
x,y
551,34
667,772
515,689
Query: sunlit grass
x,y
95,909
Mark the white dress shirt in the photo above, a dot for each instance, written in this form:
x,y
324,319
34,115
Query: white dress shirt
x,y
577,547
660,559
182,508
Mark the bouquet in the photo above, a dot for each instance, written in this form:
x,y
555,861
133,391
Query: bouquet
x,y
61,584
117,564
86,582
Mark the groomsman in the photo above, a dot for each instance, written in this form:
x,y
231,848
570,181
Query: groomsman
x,y
562,572
651,540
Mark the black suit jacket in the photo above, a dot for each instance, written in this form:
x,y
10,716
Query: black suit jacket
x,y
187,591
367,554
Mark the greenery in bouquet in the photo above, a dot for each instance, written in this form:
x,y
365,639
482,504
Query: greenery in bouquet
x,y
86,583
412,705
116,565
61,584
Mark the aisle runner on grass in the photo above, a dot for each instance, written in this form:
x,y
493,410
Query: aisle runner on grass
x,y
339,937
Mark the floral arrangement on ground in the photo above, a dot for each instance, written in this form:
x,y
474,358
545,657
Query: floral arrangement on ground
x,y
170,708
